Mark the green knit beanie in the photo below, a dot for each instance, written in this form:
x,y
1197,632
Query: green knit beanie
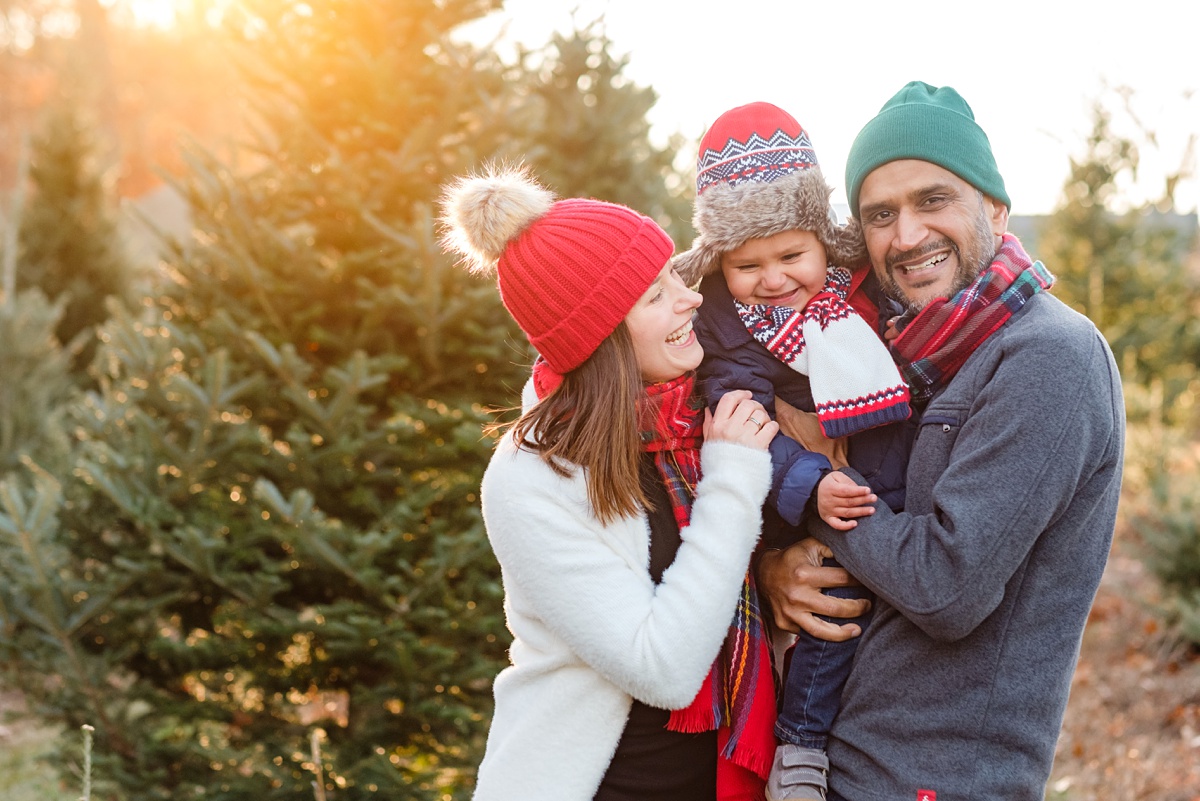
x,y
932,124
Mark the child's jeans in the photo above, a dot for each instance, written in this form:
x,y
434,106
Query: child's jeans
x,y
816,673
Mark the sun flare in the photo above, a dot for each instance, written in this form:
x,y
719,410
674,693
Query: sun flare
x,y
168,14
149,13
153,13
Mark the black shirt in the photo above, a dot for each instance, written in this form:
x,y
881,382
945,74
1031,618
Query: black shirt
x,y
652,763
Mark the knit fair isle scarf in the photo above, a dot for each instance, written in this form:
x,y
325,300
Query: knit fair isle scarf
x,y
738,695
855,384
935,343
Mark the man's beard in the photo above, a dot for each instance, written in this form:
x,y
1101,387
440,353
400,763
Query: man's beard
x,y
975,257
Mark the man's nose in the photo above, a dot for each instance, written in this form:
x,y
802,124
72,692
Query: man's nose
x,y
910,230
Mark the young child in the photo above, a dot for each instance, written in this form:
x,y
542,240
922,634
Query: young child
x,y
787,317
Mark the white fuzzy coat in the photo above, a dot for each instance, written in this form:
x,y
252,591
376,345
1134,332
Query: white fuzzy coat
x,y
591,631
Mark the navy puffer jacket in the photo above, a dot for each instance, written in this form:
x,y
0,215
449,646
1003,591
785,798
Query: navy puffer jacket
x,y
734,360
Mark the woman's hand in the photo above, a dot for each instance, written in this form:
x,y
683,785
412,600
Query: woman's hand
x,y
792,580
741,419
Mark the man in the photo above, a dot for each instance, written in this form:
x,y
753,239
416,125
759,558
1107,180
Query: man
x,y
984,582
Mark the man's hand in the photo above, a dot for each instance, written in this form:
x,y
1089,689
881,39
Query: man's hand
x,y
791,581
805,428
840,499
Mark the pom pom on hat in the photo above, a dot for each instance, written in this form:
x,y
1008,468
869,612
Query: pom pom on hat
x,y
568,270
482,214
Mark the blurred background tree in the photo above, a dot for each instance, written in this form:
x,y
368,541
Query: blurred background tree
x,y
1126,271
591,136
1129,271
70,248
38,383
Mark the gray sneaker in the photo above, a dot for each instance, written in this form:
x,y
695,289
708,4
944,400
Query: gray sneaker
x,y
798,774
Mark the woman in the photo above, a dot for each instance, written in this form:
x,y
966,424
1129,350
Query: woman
x,y
622,568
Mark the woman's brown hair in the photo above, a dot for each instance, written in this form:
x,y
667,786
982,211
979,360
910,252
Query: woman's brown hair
x,y
590,421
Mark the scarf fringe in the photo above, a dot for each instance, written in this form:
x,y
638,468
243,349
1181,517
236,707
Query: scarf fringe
x,y
742,782
755,759
694,718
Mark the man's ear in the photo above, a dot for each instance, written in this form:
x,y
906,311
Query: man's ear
x,y
998,215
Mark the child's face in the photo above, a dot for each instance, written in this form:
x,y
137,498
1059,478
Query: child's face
x,y
786,269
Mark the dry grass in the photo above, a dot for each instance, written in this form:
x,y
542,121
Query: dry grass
x,y
1132,730
24,775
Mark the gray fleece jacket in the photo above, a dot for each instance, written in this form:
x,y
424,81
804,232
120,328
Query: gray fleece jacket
x,y
984,583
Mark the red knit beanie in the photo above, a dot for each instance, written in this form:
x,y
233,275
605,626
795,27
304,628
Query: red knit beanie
x,y
569,270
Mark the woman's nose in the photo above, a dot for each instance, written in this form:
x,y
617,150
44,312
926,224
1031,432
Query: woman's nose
x,y
689,299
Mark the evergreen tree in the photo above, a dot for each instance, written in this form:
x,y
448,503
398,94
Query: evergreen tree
x,y
37,383
590,136
272,525
1124,271
69,246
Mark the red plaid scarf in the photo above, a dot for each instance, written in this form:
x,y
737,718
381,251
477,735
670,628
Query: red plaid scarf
x,y
738,695
936,342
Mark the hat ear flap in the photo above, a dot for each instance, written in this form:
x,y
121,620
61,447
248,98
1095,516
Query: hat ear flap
x,y
846,245
697,262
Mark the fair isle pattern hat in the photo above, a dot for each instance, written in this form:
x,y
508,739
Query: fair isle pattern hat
x,y
568,270
757,176
737,148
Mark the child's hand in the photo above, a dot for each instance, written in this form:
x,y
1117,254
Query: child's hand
x,y
840,500
890,332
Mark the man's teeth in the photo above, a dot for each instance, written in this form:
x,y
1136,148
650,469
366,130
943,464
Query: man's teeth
x,y
680,335
932,262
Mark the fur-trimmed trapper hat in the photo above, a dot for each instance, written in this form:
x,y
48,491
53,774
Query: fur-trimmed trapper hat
x,y
757,176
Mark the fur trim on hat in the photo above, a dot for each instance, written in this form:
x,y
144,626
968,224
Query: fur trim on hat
x,y
481,214
727,217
